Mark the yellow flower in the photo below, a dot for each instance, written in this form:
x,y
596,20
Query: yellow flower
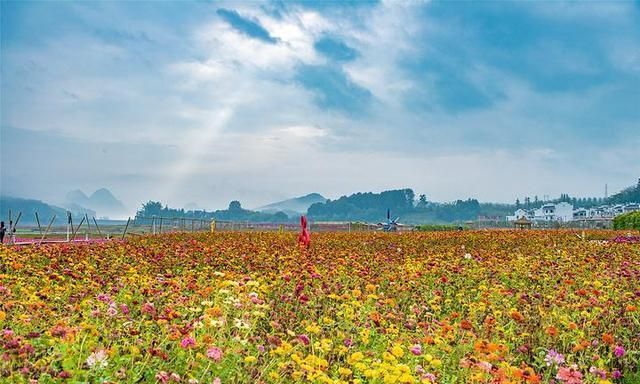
x,y
250,359
355,357
390,379
274,375
3,315
406,378
313,328
344,371
397,351
388,356
372,373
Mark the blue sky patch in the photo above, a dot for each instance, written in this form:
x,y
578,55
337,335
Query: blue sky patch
x,y
248,27
335,49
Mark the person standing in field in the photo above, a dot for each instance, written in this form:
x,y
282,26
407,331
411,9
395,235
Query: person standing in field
x,y
2,231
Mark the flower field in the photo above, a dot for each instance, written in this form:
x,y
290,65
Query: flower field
x,y
442,307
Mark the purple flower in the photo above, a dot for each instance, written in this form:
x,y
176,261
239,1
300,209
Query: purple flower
x,y
104,298
616,374
416,350
554,358
304,339
188,342
619,351
598,372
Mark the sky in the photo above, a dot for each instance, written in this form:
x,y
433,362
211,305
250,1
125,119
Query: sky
x,y
206,102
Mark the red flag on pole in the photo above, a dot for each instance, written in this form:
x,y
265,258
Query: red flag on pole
x,y
304,238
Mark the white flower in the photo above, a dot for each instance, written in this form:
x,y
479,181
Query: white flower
x,y
98,359
467,256
239,323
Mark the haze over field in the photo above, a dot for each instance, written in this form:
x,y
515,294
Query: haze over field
x,y
209,102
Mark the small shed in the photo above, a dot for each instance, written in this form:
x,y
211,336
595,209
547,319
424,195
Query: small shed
x,y
522,223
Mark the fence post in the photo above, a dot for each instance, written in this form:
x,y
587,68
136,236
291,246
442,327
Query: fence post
x,y
97,227
125,228
86,234
48,227
69,223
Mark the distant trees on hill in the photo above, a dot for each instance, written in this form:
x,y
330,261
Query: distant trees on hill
x,y
235,212
627,195
364,206
372,207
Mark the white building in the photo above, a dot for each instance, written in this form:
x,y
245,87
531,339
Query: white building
x,y
548,212
564,212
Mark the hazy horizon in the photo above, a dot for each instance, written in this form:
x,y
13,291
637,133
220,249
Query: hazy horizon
x,y
208,102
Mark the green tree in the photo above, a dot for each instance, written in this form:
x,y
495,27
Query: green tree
x,y
235,206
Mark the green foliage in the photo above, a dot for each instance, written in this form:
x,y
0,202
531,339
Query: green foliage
x,y
627,195
234,213
629,220
364,206
437,227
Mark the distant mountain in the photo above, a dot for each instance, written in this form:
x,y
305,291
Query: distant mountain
x,y
77,197
294,206
29,207
101,201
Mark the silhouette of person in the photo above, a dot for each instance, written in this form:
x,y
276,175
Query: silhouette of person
x,y
3,229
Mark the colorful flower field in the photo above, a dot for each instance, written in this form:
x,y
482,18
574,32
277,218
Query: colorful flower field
x,y
441,307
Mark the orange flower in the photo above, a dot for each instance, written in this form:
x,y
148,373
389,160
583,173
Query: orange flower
x,y
517,316
608,338
466,325
551,331
631,308
580,346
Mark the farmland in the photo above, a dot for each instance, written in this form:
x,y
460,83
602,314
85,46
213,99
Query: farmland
x,y
442,307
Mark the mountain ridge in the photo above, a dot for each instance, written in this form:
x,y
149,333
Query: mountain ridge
x,y
295,205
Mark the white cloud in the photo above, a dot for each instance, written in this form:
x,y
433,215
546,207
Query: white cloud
x,y
238,126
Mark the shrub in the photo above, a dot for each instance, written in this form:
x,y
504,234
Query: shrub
x,y
629,220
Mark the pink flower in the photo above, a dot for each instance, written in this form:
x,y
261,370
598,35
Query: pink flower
x,y
429,376
112,310
569,375
485,366
188,342
162,377
217,381
416,350
619,351
304,339
64,375
214,353
148,308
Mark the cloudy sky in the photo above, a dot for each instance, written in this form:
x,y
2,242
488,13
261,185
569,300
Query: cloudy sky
x,y
211,101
